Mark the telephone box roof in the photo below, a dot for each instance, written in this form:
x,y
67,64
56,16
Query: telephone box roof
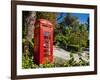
x,y
44,21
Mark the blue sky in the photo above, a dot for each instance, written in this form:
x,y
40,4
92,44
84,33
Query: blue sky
x,y
82,17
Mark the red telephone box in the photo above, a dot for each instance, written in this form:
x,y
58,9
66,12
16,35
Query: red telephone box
x,y
43,42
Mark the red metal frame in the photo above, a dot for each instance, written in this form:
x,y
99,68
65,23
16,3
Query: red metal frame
x,y
43,42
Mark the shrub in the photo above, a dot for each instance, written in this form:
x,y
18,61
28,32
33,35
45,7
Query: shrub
x,y
26,62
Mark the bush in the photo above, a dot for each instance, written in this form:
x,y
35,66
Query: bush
x,y
27,62
73,48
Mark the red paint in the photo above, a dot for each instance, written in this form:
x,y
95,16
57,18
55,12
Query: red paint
x,y
43,42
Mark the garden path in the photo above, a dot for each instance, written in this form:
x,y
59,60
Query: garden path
x,y
61,53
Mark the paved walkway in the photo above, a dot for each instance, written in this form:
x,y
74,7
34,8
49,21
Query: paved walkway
x,y
61,53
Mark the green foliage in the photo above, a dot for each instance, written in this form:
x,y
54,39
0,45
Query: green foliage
x,y
26,62
47,65
47,15
70,20
71,34
71,62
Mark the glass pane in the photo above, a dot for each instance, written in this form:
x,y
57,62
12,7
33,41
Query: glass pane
x,y
46,44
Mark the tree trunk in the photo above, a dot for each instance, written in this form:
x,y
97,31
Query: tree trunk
x,y
29,28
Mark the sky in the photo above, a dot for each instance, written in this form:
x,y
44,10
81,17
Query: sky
x,y
82,17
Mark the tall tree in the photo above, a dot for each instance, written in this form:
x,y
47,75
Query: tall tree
x,y
47,15
72,33
88,22
70,20
28,26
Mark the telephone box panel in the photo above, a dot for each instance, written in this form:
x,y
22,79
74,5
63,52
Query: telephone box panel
x,y
43,42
